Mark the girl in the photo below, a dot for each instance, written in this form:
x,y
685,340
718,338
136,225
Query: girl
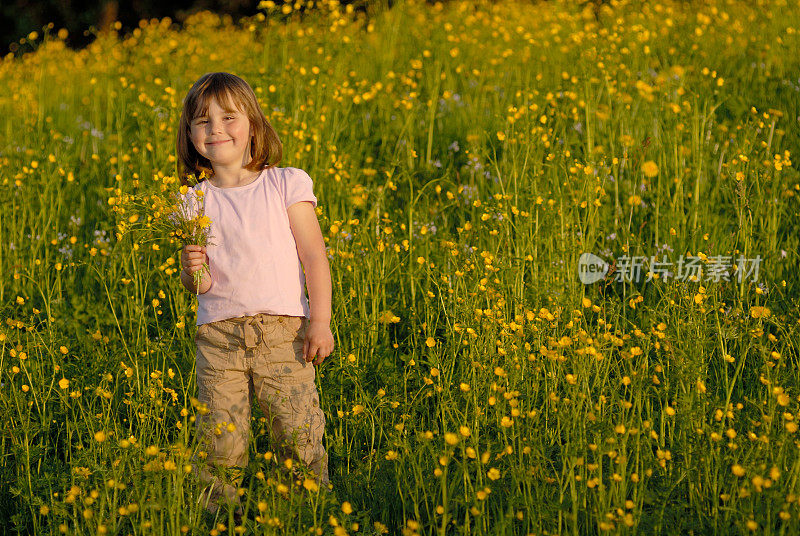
x,y
256,335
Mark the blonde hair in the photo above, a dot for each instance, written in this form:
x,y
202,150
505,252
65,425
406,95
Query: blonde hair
x,y
231,92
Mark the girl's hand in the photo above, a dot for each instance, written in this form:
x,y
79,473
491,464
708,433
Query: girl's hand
x,y
319,342
192,258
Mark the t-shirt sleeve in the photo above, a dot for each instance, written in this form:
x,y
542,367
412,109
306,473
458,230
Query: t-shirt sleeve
x,y
298,187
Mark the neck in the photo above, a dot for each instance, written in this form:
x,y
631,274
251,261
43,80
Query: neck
x,y
230,177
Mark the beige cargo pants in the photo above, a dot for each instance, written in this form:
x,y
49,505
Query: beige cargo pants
x,y
259,355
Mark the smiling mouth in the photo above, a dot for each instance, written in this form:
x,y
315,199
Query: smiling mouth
x,y
217,142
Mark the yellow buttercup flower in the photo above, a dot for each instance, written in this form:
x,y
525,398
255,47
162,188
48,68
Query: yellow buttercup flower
x,y
650,169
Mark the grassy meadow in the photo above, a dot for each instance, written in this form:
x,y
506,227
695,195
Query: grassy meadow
x,y
464,156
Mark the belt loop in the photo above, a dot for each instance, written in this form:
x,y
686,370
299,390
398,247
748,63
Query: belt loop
x,y
262,329
248,330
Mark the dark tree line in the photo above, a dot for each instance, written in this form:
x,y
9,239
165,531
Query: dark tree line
x,y
83,18
20,17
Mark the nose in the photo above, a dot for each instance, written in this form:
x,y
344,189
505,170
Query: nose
x,y
214,125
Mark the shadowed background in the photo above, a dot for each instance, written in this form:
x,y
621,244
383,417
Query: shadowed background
x,y
83,19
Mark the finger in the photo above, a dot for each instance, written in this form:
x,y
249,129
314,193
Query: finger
x,y
312,352
305,350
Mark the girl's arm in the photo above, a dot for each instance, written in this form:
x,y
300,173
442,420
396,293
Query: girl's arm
x,y
311,249
188,282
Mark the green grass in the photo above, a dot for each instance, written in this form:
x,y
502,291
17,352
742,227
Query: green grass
x,y
464,156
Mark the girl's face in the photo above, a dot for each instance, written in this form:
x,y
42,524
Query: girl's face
x,y
222,136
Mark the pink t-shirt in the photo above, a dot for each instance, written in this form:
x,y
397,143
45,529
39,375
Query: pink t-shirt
x,y
252,255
